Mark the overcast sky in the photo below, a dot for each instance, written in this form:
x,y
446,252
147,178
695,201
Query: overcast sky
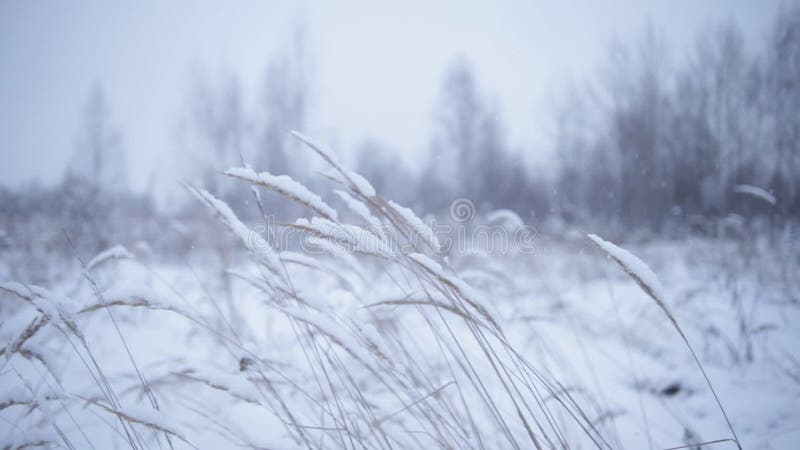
x,y
377,65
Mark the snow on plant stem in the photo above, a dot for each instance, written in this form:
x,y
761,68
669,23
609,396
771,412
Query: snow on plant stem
x,y
416,225
286,186
254,242
359,208
322,150
355,181
143,416
636,268
353,237
361,185
115,252
463,289
650,284
757,192
505,217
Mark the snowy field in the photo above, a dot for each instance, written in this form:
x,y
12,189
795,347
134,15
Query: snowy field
x,y
539,225
377,338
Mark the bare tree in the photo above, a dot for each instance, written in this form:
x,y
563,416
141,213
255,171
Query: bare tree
x,y
96,178
715,110
783,102
284,103
469,153
99,157
215,129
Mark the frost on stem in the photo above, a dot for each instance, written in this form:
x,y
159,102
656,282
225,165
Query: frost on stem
x,y
635,267
756,192
650,284
468,294
252,240
354,181
416,225
505,217
352,237
287,187
115,252
359,208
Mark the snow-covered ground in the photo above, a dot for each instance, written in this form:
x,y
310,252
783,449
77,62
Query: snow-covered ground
x,y
213,366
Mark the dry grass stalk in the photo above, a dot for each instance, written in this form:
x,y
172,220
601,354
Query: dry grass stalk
x,y
130,418
287,187
643,276
326,400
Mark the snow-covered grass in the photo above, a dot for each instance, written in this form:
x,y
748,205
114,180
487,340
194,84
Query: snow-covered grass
x,y
641,273
756,192
379,341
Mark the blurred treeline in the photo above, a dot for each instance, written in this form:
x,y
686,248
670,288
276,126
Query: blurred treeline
x,y
657,139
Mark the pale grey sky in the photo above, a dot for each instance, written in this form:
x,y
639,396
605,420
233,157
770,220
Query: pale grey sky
x,y
377,65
